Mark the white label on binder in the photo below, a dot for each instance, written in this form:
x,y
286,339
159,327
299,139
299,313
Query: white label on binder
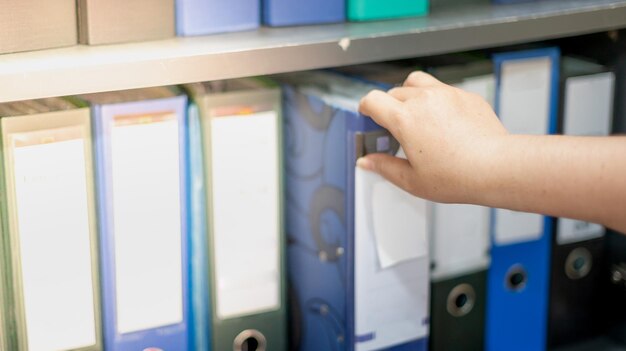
x,y
525,97
460,239
589,104
391,264
147,225
485,86
54,233
571,231
246,218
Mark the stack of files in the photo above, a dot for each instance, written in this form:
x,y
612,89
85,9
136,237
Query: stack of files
x,y
37,24
357,245
460,243
369,10
578,274
200,17
49,254
118,21
140,144
518,280
236,150
300,12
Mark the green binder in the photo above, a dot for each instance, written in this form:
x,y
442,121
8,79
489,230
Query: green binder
x,y
369,10
51,299
241,142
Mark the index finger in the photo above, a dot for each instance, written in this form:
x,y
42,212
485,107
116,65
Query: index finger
x,y
383,108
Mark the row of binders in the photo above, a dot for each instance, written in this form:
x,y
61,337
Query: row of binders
x,y
195,218
39,24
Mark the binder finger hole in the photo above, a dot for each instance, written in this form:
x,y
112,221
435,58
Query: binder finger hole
x,y
516,278
578,263
250,340
461,300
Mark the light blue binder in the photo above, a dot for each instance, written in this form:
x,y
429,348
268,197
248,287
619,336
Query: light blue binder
x,y
137,131
201,17
334,245
518,279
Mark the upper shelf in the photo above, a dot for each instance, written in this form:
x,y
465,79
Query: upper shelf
x,y
86,69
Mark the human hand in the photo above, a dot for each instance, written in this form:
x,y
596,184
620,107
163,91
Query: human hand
x,y
449,136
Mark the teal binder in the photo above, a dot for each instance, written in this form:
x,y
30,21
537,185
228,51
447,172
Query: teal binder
x,y
369,10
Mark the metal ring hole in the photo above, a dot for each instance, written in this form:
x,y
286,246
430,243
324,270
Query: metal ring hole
x,y
250,340
461,300
516,278
578,263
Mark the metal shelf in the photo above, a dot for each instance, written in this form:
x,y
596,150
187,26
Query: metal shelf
x,y
478,24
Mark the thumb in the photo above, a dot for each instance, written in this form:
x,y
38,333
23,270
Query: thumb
x,y
396,170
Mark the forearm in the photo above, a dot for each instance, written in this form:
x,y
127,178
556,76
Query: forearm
x,y
575,177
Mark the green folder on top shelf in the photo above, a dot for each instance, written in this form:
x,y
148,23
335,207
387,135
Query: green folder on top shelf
x,y
369,10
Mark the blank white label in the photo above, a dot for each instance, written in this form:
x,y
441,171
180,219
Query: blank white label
x,y
460,239
147,225
246,227
485,86
391,264
55,246
525,95
525,92
589,104
571,231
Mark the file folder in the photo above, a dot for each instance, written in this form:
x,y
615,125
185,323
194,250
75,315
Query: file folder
x,y
142,196
37,24
460,243
369,10
201,17
357,245
577,276
527,85
241,129
119,21
49,221
300,12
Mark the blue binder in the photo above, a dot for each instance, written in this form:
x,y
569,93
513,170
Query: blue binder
x,y
298,12
518,280
332,258
140,143
200,17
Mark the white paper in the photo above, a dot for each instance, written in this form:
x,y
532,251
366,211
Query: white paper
x,y
391,304
460,241
246,228
525,95
589,104
55,247
572,231
147,225
485,86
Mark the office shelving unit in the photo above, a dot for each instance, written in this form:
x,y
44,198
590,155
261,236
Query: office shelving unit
x,y
451,27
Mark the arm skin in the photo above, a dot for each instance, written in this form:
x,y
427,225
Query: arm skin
x,y
459,152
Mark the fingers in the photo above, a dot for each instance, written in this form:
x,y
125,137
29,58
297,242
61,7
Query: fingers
x,y
420,79
404,93
382,108
396,170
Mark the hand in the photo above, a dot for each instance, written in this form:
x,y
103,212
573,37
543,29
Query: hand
x,y
449,136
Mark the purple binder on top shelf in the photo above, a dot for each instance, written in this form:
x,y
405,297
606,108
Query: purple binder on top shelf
x,y
298,12
200,17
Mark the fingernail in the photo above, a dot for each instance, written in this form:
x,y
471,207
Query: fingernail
x,y
364,163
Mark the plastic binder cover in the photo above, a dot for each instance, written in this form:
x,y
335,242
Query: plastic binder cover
x,y
518,279
200,17
366,10
144,232
242,143
357,244
48,174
